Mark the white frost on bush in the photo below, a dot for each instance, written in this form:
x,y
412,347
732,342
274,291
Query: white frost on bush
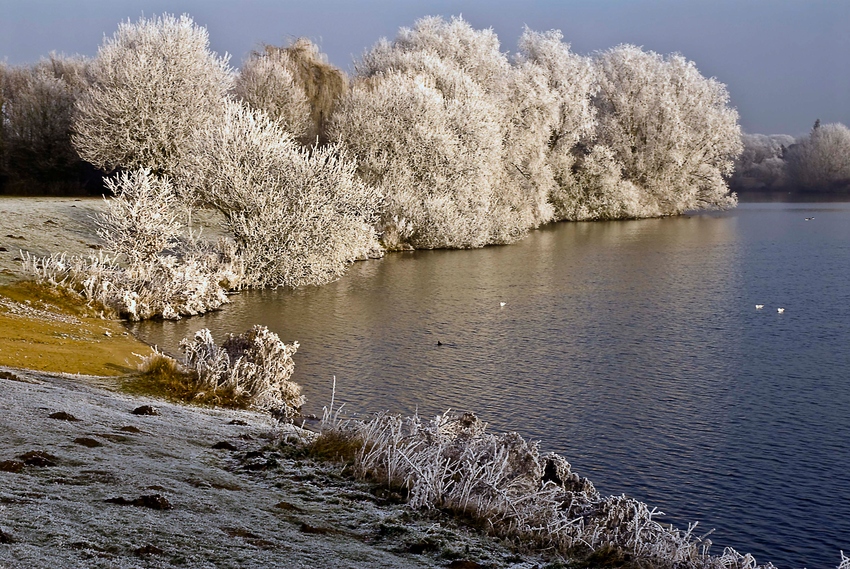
x,y
255,364
298,216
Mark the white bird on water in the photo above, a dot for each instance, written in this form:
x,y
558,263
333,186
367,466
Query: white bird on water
x,y
780,310
759,306
502,304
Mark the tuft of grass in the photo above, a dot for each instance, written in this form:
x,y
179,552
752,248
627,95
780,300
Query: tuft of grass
x,y
335,445
162,376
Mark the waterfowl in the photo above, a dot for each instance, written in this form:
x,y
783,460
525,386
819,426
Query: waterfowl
x,y
759,306
502,303
780,310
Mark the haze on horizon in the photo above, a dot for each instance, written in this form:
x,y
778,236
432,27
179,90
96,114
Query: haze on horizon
x,y
785,62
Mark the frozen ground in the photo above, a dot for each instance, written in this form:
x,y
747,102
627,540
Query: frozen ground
x,y
186,504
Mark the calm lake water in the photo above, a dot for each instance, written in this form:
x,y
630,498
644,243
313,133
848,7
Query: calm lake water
x,y
632,348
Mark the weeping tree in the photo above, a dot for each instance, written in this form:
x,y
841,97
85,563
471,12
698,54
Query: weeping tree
x,y
294,85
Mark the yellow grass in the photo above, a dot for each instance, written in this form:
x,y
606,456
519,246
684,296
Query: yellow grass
x,y
55,331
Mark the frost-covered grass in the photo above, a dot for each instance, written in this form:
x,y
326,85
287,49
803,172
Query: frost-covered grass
x,y
250,507
254,366
502,484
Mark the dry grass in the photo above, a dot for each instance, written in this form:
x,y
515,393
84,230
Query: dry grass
x,y
46,329
164,377
500,483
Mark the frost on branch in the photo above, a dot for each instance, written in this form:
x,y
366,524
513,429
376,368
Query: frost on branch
x,y
255,365
670,129
298,216
154,83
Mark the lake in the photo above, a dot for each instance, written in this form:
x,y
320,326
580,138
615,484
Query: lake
x,y
633,348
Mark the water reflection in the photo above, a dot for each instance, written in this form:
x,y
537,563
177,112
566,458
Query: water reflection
x,y
631,347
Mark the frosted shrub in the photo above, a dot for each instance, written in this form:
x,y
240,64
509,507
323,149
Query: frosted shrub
x,y
154,84
149,268
298,216
503,482
255,366
670,129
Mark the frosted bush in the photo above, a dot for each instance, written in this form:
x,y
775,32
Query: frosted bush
x,y
255,365
154,84
149,267
298,216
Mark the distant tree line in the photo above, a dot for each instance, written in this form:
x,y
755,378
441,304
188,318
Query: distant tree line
x,y
439,140
818,162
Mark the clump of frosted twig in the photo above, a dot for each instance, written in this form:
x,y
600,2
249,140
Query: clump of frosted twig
x,y
255,365
503,482
150,269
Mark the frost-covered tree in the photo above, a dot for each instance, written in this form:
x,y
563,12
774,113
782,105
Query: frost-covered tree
x,y
821,160
429,140
761,166
466,162
295,85
154,84
298,216
266,82
670,129
570,80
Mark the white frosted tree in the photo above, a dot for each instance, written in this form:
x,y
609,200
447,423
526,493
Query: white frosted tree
x,y
821,160
468,163
428,138
570,80
670,129
298,216
154,84
761,166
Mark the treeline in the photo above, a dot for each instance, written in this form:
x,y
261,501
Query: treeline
x,y
440,139
818,162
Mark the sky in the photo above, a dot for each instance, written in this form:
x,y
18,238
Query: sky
x,y
785,62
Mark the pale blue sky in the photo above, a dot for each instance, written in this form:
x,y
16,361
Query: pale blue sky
x,y
786,62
